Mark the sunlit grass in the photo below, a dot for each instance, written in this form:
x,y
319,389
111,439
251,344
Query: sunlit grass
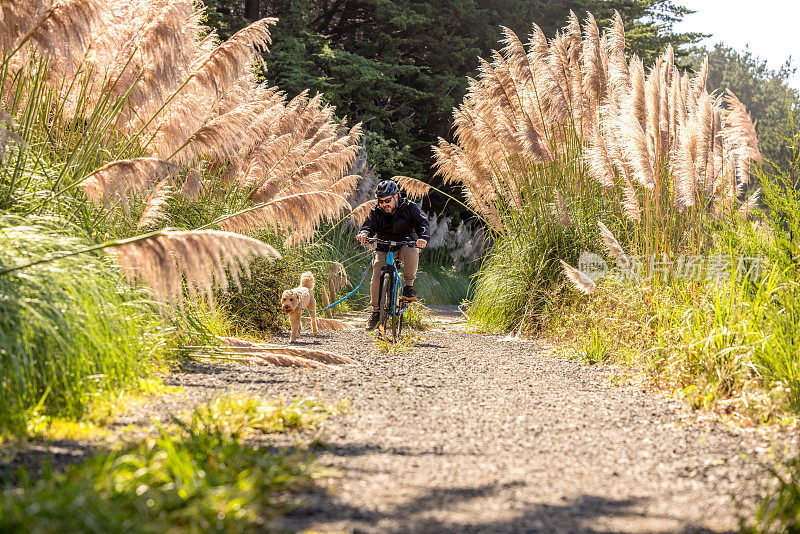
x,y
712,341
101,410
779,511
386,345
246,415
596,349
418,317
200,474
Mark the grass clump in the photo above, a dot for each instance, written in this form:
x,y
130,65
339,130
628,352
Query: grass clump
x,y
200,475
417,317
779,511
70,330
663,170
247,416
386,345
596,349
727,336
100,412
519,279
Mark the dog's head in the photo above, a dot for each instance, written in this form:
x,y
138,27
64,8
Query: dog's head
x,y
290,301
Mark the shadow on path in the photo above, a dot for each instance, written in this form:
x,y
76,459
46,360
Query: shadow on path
x,y
424,512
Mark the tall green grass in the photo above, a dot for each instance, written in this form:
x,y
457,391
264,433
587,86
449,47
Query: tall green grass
x,y
59,148
734,338
442,285
69,330
72,329
751,327
518,278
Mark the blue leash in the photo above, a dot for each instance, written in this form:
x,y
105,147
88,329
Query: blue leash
x,y
363,277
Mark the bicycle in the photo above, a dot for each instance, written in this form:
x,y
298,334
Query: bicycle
x,y
391,303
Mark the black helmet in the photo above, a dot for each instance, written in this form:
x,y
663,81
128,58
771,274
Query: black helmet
x,y
386,188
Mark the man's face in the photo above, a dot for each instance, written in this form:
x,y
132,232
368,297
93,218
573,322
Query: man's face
x,y
388,204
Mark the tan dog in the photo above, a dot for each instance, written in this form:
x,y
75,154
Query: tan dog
x,y
294,301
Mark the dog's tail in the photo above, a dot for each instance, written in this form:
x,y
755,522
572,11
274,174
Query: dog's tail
x,y
307,280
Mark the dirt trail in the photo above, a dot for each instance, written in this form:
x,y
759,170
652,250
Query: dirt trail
x,y
470,433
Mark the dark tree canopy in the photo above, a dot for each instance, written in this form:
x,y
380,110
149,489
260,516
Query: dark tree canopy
x,y
401,67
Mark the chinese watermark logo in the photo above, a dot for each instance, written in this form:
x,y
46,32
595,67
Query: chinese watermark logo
x,y
717,268
592,265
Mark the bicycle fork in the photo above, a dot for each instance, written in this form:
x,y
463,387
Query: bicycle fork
x,y
389,275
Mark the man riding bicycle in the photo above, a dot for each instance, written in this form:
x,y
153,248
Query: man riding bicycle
x,y
394,218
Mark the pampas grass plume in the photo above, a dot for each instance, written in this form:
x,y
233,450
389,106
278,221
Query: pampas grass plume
x,y
415,189
582,283
199,257
613,246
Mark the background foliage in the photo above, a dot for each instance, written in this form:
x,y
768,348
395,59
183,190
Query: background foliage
x,y
764,91
401,67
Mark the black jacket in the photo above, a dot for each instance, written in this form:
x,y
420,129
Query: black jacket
x,y
405,223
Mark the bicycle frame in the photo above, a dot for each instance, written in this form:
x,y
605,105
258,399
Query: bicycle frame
x,y
391,270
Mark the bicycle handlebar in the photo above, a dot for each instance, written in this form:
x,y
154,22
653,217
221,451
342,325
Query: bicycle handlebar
x,y
377,241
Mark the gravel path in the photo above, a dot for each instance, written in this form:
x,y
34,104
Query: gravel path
x,y
472,433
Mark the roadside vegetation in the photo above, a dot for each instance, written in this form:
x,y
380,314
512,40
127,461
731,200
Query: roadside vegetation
x,y
213,469
62,327
124,154
593,156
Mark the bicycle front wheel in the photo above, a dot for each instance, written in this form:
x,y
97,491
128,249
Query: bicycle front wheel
x,y
400,323
385,305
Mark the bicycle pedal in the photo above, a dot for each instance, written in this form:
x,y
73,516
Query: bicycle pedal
x,y
409,299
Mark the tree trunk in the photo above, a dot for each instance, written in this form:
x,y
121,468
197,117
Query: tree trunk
x,y
251,9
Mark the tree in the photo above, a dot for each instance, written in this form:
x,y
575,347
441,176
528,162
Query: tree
x,y
398,67
648,23
764,91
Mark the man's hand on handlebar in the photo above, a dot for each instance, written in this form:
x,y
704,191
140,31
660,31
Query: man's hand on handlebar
x,y
364,239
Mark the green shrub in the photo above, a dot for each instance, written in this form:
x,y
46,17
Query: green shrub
x,y
257,307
